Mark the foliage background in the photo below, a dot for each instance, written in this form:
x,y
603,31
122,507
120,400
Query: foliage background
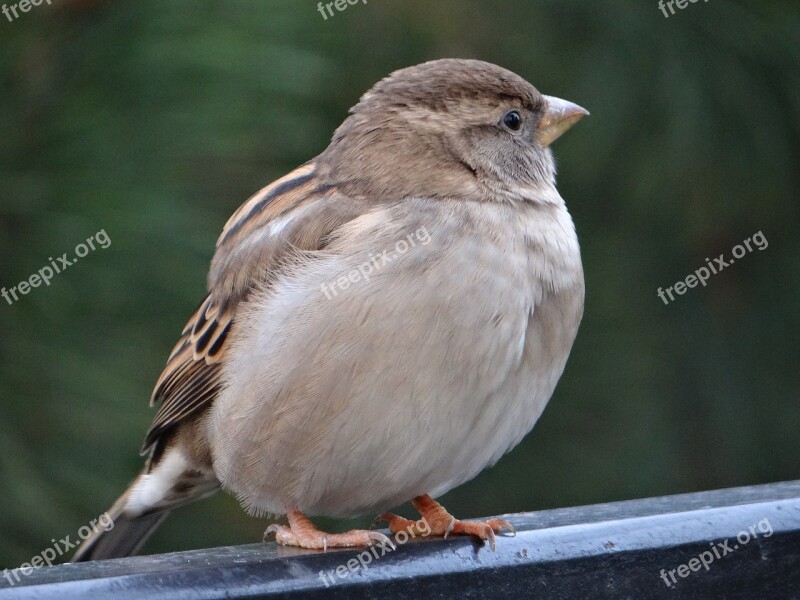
x,y
155,120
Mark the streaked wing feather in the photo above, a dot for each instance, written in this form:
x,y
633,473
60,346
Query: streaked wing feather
x,y
294,212
192,376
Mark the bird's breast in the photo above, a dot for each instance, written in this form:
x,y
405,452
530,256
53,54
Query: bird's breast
x,y
418,349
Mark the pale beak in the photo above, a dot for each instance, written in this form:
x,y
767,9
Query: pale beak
x,y
559,116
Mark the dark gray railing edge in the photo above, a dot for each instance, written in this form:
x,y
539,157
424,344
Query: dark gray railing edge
x,y
682,546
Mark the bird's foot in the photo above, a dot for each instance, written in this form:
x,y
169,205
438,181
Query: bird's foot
x,y
302,533
441,522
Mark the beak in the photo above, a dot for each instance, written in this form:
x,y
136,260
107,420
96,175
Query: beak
x,y
559,116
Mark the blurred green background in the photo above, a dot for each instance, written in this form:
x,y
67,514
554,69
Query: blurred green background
x,y
155,120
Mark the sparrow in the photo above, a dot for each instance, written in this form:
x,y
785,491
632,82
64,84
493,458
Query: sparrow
x,y
381,324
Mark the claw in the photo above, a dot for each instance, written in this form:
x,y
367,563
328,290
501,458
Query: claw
x,y
377,536
450,526
498,525
272,529
490,537
387,517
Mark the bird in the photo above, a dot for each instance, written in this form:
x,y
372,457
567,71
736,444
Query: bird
x,y
382,323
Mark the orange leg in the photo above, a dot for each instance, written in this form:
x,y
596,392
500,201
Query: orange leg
x,y
443,523
302,532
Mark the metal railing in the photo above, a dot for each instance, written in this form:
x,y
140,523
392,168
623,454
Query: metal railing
x,y
724,544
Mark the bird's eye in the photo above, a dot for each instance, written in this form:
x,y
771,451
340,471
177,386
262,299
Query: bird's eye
x,y
513,120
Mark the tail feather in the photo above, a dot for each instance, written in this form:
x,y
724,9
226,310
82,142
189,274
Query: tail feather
x,y
126,535
125,539
144,505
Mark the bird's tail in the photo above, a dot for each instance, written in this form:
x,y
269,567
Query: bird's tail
x,y
125,535
141,509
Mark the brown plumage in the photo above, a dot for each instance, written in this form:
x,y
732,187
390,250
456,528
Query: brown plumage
x,y
456,148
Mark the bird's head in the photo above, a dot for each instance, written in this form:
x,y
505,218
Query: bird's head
x,y
452,128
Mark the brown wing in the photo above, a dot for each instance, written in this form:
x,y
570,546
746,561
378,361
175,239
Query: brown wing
x,y
298,211
191,378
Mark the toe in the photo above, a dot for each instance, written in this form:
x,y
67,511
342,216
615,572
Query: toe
x,y
499,525
483,531
395,523
357,537
318,540
283,535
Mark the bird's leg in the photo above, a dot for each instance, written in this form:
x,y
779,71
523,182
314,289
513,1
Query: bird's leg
x,y
443,523
301,532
